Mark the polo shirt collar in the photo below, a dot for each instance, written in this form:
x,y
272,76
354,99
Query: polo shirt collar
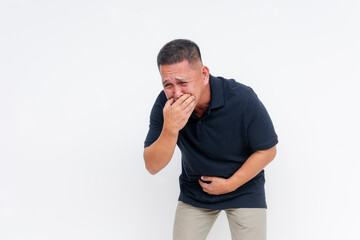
x,y
217,96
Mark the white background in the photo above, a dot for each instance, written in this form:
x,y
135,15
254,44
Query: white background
x,y
78,80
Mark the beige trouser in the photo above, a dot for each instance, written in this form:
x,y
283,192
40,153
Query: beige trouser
x,y
192,223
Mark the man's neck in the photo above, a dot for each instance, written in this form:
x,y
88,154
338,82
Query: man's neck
x,y
204,102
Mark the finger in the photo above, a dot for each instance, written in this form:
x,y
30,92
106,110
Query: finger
x,y
190,108
187,102
182,99
168,103
206,178
203,185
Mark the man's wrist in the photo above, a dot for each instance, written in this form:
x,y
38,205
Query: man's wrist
x,y
234,182
168,131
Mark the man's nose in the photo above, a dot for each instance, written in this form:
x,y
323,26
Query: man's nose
x,y
178,93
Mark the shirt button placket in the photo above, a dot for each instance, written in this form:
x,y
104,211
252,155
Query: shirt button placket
x,y
199,129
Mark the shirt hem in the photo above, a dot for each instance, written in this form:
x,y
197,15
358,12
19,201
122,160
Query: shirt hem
x,y
219,206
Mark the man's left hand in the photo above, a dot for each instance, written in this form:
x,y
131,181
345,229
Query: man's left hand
x,y
217,185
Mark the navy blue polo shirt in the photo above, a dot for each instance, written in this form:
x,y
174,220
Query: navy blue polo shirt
x,y
234,126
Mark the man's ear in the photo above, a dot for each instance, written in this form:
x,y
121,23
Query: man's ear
x,y
205,72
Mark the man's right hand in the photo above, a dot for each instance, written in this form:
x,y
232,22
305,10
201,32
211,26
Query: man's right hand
x,y
176,114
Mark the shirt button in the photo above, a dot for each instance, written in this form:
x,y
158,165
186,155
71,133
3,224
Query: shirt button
x,y
200,122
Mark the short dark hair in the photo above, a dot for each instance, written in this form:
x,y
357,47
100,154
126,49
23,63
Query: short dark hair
x,y
178,50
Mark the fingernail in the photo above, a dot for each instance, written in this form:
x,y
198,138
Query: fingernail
x,y
202,178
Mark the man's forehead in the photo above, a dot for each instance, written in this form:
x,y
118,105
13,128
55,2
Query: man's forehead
x,y
184,63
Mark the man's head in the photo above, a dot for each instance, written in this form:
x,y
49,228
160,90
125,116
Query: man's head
x,y
178,50
182,71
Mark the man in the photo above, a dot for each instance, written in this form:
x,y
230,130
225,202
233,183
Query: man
x,y
226,138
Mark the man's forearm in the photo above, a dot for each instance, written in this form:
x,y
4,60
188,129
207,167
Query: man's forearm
x,y
159,154
176,114
253,165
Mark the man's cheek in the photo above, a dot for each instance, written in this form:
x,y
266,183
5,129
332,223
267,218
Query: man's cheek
x,y
168,95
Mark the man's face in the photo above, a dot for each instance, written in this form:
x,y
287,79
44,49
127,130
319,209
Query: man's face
x,y
181,78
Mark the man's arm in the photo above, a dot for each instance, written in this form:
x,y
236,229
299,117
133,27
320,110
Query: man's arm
x,y
252,166
158,154
176,115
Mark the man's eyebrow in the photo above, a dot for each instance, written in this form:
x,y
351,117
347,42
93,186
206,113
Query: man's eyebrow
x,y
180,79
177,79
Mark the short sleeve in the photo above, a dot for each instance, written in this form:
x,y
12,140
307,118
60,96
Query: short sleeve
x,y
156,120
260,131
